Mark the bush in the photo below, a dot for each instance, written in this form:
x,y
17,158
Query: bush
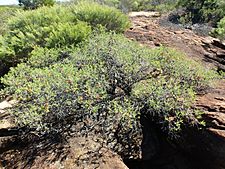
x,y
203,11
96,14
138,5
6,13
220,30
44,27
54,27
104,87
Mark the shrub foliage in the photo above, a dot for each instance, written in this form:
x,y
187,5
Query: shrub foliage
x,y
6,13
203,10
139,5
103,88
58,26
220,30
95,14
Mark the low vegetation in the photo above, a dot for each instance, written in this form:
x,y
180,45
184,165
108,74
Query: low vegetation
x,y
138,5
203,11
58,26
6,12
104,87
220,30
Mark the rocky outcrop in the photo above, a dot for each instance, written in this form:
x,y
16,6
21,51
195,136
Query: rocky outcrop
x,y
83,153
7,126
148,30
198,148
79,153
211,142
215,51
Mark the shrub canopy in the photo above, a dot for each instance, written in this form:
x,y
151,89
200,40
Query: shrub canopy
x,y
140,5
108,84
58,26
220,30
203,10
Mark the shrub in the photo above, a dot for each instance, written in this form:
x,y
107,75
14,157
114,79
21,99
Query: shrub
x,y
54,27
220,30
5,14
138,5
104,87
44,27
96,14
203,11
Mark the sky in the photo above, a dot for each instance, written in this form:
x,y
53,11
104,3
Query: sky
x,y
10,2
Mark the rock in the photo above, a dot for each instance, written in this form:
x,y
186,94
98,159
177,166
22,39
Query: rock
x,y
208,145
218,43
5,124
5,104
101,158
144,14
78,153
208,40
220,53
5,118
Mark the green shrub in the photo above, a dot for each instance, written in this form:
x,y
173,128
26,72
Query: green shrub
x,y
139,5
5,14
166,7
96,14
45,27
34,4
58,26
108,83
220,30
203,11
44,57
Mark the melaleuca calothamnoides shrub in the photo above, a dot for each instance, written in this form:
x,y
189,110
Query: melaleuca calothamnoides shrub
x,y
103,88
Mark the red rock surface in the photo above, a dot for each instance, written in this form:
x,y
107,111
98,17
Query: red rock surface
x,y
207,147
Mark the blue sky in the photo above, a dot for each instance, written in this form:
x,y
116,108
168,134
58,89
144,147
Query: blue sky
x,y
9,2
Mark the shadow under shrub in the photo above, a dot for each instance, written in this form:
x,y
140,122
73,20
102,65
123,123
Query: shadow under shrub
x,y
103,88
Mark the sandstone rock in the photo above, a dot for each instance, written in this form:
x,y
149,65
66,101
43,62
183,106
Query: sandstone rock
x,y
5,119
144,14
4,105
5,124
208,40
205,148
